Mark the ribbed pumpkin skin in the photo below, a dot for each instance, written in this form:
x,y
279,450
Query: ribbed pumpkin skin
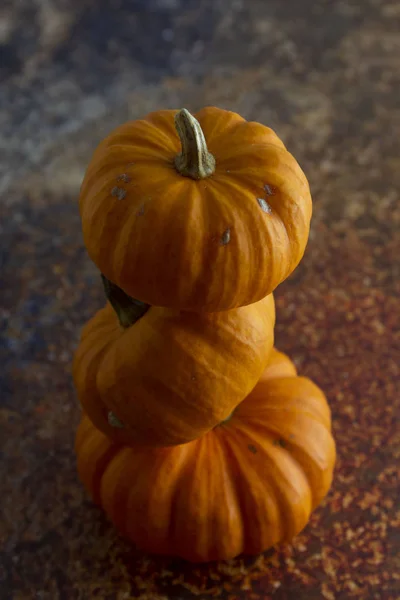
x,y
173,375
203,245
246,485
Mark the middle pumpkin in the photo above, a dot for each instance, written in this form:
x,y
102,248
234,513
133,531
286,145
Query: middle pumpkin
x,y
162,377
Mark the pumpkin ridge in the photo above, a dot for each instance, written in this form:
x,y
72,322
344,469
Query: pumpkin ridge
x,y
101,468
83,366
152,479
95,443
190,448
226,488
96,327
249,498
139,227
279,367
253,131
94,179
97,216
244,216
294,445
130,155
145,132
164,121
220,126
101,189
265,225
234,471
180,422
275,454
120,463
253,419
82,432
278,157
113,156
304,397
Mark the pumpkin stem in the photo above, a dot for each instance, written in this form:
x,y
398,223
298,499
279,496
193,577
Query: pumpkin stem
x,y
128,310
195,160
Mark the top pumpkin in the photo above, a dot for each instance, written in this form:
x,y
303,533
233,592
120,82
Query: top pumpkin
x,y
205,214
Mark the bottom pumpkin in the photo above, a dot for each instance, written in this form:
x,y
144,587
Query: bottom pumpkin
x,y
246,485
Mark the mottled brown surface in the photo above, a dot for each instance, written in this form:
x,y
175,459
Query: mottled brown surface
x,y
326,76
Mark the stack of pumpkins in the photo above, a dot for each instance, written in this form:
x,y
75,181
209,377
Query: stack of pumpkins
x,y
198,437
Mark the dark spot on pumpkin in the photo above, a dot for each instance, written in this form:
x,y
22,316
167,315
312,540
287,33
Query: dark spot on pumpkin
x,y
280,442
114,421
226,237
269,189
264,205
193,378
118,192
124,177
140,212
252,448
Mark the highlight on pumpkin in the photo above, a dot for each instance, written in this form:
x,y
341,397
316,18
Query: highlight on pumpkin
x,y
203,212
250,483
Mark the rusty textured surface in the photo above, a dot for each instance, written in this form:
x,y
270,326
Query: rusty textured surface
x,y
326,76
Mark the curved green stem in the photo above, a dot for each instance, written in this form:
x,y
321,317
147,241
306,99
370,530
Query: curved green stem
x,y
128,310
195,160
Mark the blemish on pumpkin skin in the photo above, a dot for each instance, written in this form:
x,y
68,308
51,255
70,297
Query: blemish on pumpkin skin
x,y
118,192
140,212
124,177
280,442
252,448
270,190
114,421
226,237
264,205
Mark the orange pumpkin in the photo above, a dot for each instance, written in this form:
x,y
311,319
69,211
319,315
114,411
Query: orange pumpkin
x,y
246,485
167,376
203,214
